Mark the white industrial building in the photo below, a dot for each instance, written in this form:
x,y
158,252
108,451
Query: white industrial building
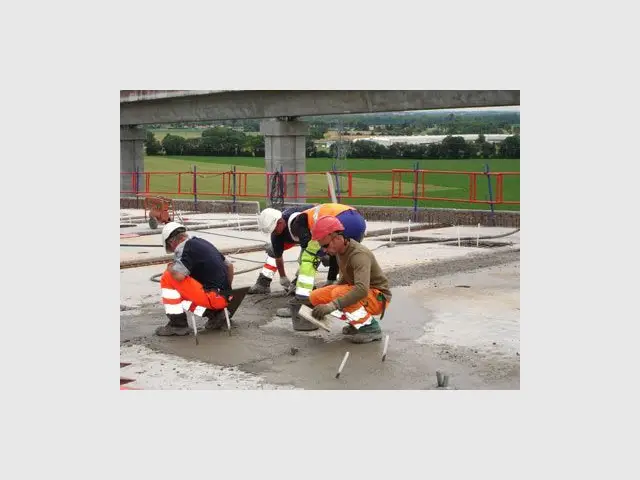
x,y
388,140
422,139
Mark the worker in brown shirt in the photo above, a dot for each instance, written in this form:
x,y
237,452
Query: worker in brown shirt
x,y
362,289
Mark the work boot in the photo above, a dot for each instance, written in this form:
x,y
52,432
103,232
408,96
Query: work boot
x,y
349,330
262,285
366,334
177,325
215,319
300,324
284,312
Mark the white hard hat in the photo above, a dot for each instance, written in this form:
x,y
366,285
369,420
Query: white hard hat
x,y
167,230
268,219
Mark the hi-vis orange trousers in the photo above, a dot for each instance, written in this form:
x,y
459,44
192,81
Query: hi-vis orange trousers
x,y
359,314
188,295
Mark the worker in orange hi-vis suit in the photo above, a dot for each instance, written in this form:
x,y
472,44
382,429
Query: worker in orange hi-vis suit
x,y
362,290
198,280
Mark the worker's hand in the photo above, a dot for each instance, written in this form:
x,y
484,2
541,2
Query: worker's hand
x,y
319,311
285,282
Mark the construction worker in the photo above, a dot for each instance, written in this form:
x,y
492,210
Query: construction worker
x,y
300,225
198,280
292,227
275,223
303,223
361,292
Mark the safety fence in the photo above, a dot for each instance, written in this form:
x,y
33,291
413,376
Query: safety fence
x,y
374,186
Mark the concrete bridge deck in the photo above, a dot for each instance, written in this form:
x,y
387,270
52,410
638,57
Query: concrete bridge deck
x,y
455,309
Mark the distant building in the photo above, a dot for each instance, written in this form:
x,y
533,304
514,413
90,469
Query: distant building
x,y
323,143
388,140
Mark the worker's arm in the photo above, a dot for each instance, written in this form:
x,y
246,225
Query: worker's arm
x,y
230,271
361,264
280,265
276,251
178,271
305,237
181,266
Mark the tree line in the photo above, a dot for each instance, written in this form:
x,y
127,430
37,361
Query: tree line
x,y
406,123
225,142
451,147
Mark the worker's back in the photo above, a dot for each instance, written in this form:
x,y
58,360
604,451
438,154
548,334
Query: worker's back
x,y
205,263
353,259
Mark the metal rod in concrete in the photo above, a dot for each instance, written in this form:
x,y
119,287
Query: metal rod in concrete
x,y
409,231
195,327
226,315
445,381
344,360
439,378
384,350
478,237
458,233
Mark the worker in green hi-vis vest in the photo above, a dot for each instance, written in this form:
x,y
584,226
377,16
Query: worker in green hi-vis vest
x,y
300,225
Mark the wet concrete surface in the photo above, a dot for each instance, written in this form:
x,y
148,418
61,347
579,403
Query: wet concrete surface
x,y
459,316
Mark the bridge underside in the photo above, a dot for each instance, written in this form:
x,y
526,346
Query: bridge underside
x,y
284,135
230,105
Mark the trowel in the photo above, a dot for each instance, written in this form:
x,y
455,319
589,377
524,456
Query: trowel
x,y
235,299
325,323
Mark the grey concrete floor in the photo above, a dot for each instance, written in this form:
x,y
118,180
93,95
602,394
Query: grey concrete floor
x,y
454,309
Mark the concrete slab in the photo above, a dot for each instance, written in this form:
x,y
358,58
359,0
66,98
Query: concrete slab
x,y
454,309
151,370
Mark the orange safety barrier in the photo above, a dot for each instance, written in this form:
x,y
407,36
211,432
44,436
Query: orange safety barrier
x,y
235,184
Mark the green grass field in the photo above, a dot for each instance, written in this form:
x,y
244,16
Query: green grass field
x,y
210,179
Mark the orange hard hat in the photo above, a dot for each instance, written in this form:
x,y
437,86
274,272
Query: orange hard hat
x,y
326,225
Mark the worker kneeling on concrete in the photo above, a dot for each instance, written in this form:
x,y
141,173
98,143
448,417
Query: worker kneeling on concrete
x,y
198,280
292,227
361,292
299,225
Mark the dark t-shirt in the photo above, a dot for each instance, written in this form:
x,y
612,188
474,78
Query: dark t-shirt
x,y
205,264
